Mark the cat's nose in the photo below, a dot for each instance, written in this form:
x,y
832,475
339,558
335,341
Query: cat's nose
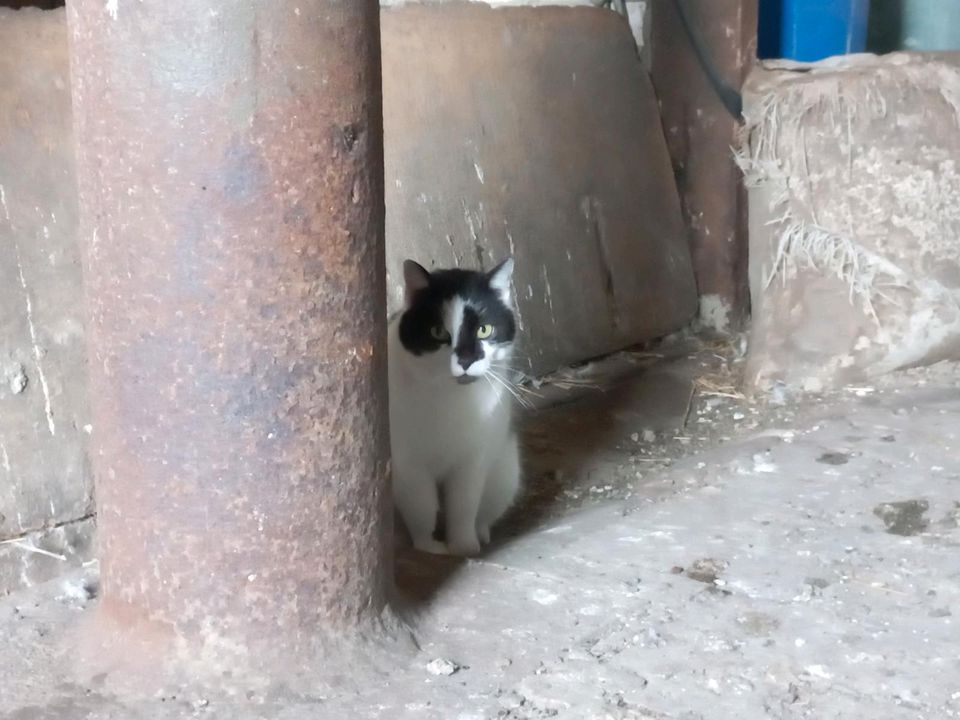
x,y
467,356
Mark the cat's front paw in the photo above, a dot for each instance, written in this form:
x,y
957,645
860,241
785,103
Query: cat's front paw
x,y
465,545
429,545
483,532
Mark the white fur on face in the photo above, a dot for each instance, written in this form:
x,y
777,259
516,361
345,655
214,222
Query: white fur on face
x,y
453,317
502,351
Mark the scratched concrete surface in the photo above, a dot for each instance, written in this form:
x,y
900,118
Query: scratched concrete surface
x,y
46,487
803,568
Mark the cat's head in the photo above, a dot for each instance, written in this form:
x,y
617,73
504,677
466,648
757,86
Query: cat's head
x,y
459,321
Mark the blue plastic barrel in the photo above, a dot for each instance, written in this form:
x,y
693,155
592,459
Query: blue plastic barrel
x,y
810,30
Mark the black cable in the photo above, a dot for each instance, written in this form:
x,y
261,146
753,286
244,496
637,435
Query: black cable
x,y
619,6
730,97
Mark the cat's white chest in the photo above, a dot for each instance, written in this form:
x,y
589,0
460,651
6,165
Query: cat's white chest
x,y
444,425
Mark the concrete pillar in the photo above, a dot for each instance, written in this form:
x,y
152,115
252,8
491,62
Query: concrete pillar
x,y
231,197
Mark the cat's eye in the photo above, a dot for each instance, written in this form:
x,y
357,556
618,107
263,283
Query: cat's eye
x,y
439,333
484,331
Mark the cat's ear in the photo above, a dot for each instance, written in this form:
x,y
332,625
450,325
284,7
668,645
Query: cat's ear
x,y
499,279
415,279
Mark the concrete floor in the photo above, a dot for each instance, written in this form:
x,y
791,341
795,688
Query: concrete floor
x,y
679,555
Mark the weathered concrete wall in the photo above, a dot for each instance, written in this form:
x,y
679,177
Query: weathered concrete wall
x,y
44,477
855,218
545,143
700,130
638,12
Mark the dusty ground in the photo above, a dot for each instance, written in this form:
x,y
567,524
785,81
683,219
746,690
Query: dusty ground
x,y
680,555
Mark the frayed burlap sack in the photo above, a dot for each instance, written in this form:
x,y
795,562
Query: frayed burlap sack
x,y
852,170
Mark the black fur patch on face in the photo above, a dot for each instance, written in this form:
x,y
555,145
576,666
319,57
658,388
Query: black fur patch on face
x,y
483,306
469,349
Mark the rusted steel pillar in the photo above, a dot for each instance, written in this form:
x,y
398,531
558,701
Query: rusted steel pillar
x,y
231,194
702,52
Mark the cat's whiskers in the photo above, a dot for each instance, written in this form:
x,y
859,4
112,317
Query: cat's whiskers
x,y
509,387
504,367
493,376
486,377
519,384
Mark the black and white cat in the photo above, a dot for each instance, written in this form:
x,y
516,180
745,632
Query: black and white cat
x,y
450,412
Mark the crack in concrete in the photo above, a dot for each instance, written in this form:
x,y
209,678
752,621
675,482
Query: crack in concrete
x,y
37,355
26,533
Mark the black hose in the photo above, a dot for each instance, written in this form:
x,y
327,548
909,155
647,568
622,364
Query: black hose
x,y
730,97
619,6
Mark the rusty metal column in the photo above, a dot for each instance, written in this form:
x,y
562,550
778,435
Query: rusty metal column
x,y
701,121
231,196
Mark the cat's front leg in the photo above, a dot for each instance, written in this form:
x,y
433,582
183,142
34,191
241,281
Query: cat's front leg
x,y
462,494
416,497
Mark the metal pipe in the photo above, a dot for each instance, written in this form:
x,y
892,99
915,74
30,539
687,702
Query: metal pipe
x,y
231,196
